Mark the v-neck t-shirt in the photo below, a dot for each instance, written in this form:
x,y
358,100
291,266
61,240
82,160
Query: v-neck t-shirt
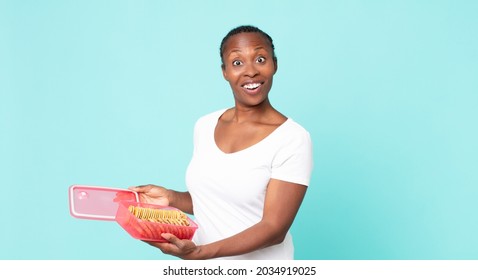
x,y
228,189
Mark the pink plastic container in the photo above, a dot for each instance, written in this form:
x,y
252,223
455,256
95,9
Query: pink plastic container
x,y
111,204
151,231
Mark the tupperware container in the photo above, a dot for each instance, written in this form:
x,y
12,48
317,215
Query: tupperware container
x,y
111,204
147,230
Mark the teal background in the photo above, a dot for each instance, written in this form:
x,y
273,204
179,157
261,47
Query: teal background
x,y
107,93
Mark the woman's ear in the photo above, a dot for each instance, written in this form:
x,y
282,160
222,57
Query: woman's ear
x,y
224,74
275,65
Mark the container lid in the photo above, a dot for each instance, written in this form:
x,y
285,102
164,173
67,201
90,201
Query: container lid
x,y
97,203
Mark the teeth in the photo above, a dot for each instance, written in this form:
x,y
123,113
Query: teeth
x,y
252,86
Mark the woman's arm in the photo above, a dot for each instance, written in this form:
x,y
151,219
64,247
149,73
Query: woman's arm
x,y
282,203
181,200
159,195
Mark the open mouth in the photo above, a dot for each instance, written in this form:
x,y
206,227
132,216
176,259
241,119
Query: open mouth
x,y
252,86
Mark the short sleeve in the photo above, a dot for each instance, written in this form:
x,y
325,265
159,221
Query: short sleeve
x,y
293,161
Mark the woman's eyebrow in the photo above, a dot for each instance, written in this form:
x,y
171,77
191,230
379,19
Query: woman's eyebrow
x,y
238,50
259,48
234,51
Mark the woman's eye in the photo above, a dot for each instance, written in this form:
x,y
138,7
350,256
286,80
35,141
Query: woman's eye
x,y
236,63
261,59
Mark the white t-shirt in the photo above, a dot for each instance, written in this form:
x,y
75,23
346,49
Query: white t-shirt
x,y
228,189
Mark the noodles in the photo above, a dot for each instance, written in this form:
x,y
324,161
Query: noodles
x,y
164,216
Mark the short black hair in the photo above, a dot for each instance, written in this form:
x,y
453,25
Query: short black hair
x,y
245,29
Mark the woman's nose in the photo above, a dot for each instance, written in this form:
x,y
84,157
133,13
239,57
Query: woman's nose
x,y
251,70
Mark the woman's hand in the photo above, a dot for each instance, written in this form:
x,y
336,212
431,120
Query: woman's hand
x,y
181,248
152,194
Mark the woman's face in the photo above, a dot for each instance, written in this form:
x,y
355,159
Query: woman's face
x,y
249,66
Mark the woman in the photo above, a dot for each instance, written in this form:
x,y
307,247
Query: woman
x,y
250,167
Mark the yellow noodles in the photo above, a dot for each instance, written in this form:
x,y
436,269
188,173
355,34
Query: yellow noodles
x,y
172,217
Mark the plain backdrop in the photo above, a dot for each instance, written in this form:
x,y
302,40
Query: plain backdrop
x,y
107,92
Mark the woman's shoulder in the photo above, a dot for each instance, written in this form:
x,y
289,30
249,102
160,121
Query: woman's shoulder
x,y
292,127
291,134
211,117
214,115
